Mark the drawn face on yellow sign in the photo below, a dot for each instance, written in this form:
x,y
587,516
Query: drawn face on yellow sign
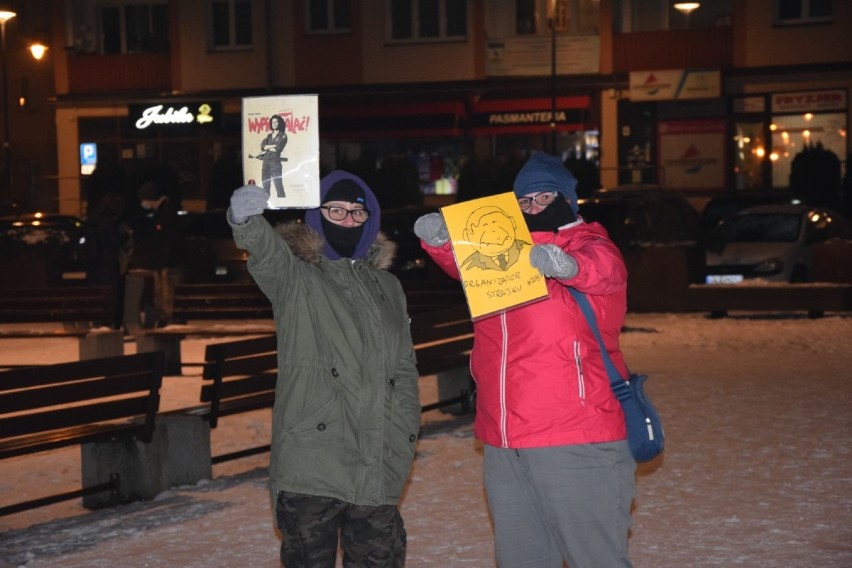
x,y
490,230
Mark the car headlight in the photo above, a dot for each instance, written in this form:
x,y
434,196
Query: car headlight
x,y
769,266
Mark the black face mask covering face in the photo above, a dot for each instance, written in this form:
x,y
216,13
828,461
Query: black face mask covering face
x,y
344,240
552,217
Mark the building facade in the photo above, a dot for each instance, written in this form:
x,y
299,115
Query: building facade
x,y
717,99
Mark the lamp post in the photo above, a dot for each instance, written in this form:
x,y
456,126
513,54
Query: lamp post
x,y
551,19
6,15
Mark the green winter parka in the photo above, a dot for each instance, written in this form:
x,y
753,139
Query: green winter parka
x,y
347,408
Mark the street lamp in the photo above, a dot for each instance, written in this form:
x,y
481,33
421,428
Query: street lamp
x,y
38,49
686,8
5,16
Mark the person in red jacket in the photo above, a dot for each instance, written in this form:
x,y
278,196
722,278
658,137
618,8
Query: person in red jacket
x,y
558,472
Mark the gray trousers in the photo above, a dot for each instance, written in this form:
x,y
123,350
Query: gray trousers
x,y
568,503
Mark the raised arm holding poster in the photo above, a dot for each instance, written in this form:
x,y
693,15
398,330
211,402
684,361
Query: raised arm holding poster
x,y
281,148
491,244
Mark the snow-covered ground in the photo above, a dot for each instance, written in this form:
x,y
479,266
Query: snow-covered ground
x,y
757,470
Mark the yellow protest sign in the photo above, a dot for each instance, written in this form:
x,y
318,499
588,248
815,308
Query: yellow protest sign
x,y
491,244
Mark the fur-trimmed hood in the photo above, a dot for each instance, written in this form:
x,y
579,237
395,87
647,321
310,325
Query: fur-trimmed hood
x,y
307,244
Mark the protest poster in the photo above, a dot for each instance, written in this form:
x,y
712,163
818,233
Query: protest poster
x,y
280,139
491,244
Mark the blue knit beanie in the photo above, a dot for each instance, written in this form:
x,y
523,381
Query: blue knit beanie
x,y
544,172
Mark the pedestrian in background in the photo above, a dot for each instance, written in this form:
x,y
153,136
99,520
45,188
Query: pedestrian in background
x,y
558,473
347,406
161,248
110,240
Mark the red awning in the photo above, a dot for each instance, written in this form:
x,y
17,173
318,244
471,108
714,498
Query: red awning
x,y
531,116
392,120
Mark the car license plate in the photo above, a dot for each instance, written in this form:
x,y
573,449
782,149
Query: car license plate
x,y
724,278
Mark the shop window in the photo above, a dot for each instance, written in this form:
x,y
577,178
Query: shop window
x,y
329,16
792,12
230,24
427,20
134,28
791,133
750,155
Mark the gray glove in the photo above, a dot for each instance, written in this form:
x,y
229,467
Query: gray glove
x,y
553,262
247,201
431,229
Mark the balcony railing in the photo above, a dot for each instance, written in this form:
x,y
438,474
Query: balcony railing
x,y
674,49
116,73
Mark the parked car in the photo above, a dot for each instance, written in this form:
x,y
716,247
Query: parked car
x,y
639,215
771,242
40,250
722,206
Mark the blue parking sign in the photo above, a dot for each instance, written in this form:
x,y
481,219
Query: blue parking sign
x,y
88,157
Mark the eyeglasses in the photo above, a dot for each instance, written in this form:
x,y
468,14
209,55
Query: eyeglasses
x,y
339,213
543,199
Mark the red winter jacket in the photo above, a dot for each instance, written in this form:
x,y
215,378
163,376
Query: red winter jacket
x,y
538,370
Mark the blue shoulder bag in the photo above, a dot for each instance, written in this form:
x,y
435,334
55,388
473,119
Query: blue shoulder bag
x,y
645,434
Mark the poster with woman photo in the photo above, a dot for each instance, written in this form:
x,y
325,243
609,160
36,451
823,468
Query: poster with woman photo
x,y
280,139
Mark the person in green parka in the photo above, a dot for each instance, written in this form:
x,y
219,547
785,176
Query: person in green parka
x,y
347,407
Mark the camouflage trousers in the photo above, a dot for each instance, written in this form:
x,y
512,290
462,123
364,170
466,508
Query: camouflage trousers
x,y
311,528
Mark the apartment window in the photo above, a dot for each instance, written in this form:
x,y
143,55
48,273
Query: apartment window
x,y
134,28
525,17
803,11
427,20
329,15
230,24
631,16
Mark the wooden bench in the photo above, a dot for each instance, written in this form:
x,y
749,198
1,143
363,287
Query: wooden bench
x,y
813,298
239,376
220,302
216,310
246,301
75,310
207,310
84,402
442,342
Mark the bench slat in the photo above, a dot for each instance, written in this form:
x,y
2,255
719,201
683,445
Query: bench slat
x,y
75,391
245,404
67,292
41,305
72,437
220,301
88,414
65,372
444,356
241,387
239,348
241,366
